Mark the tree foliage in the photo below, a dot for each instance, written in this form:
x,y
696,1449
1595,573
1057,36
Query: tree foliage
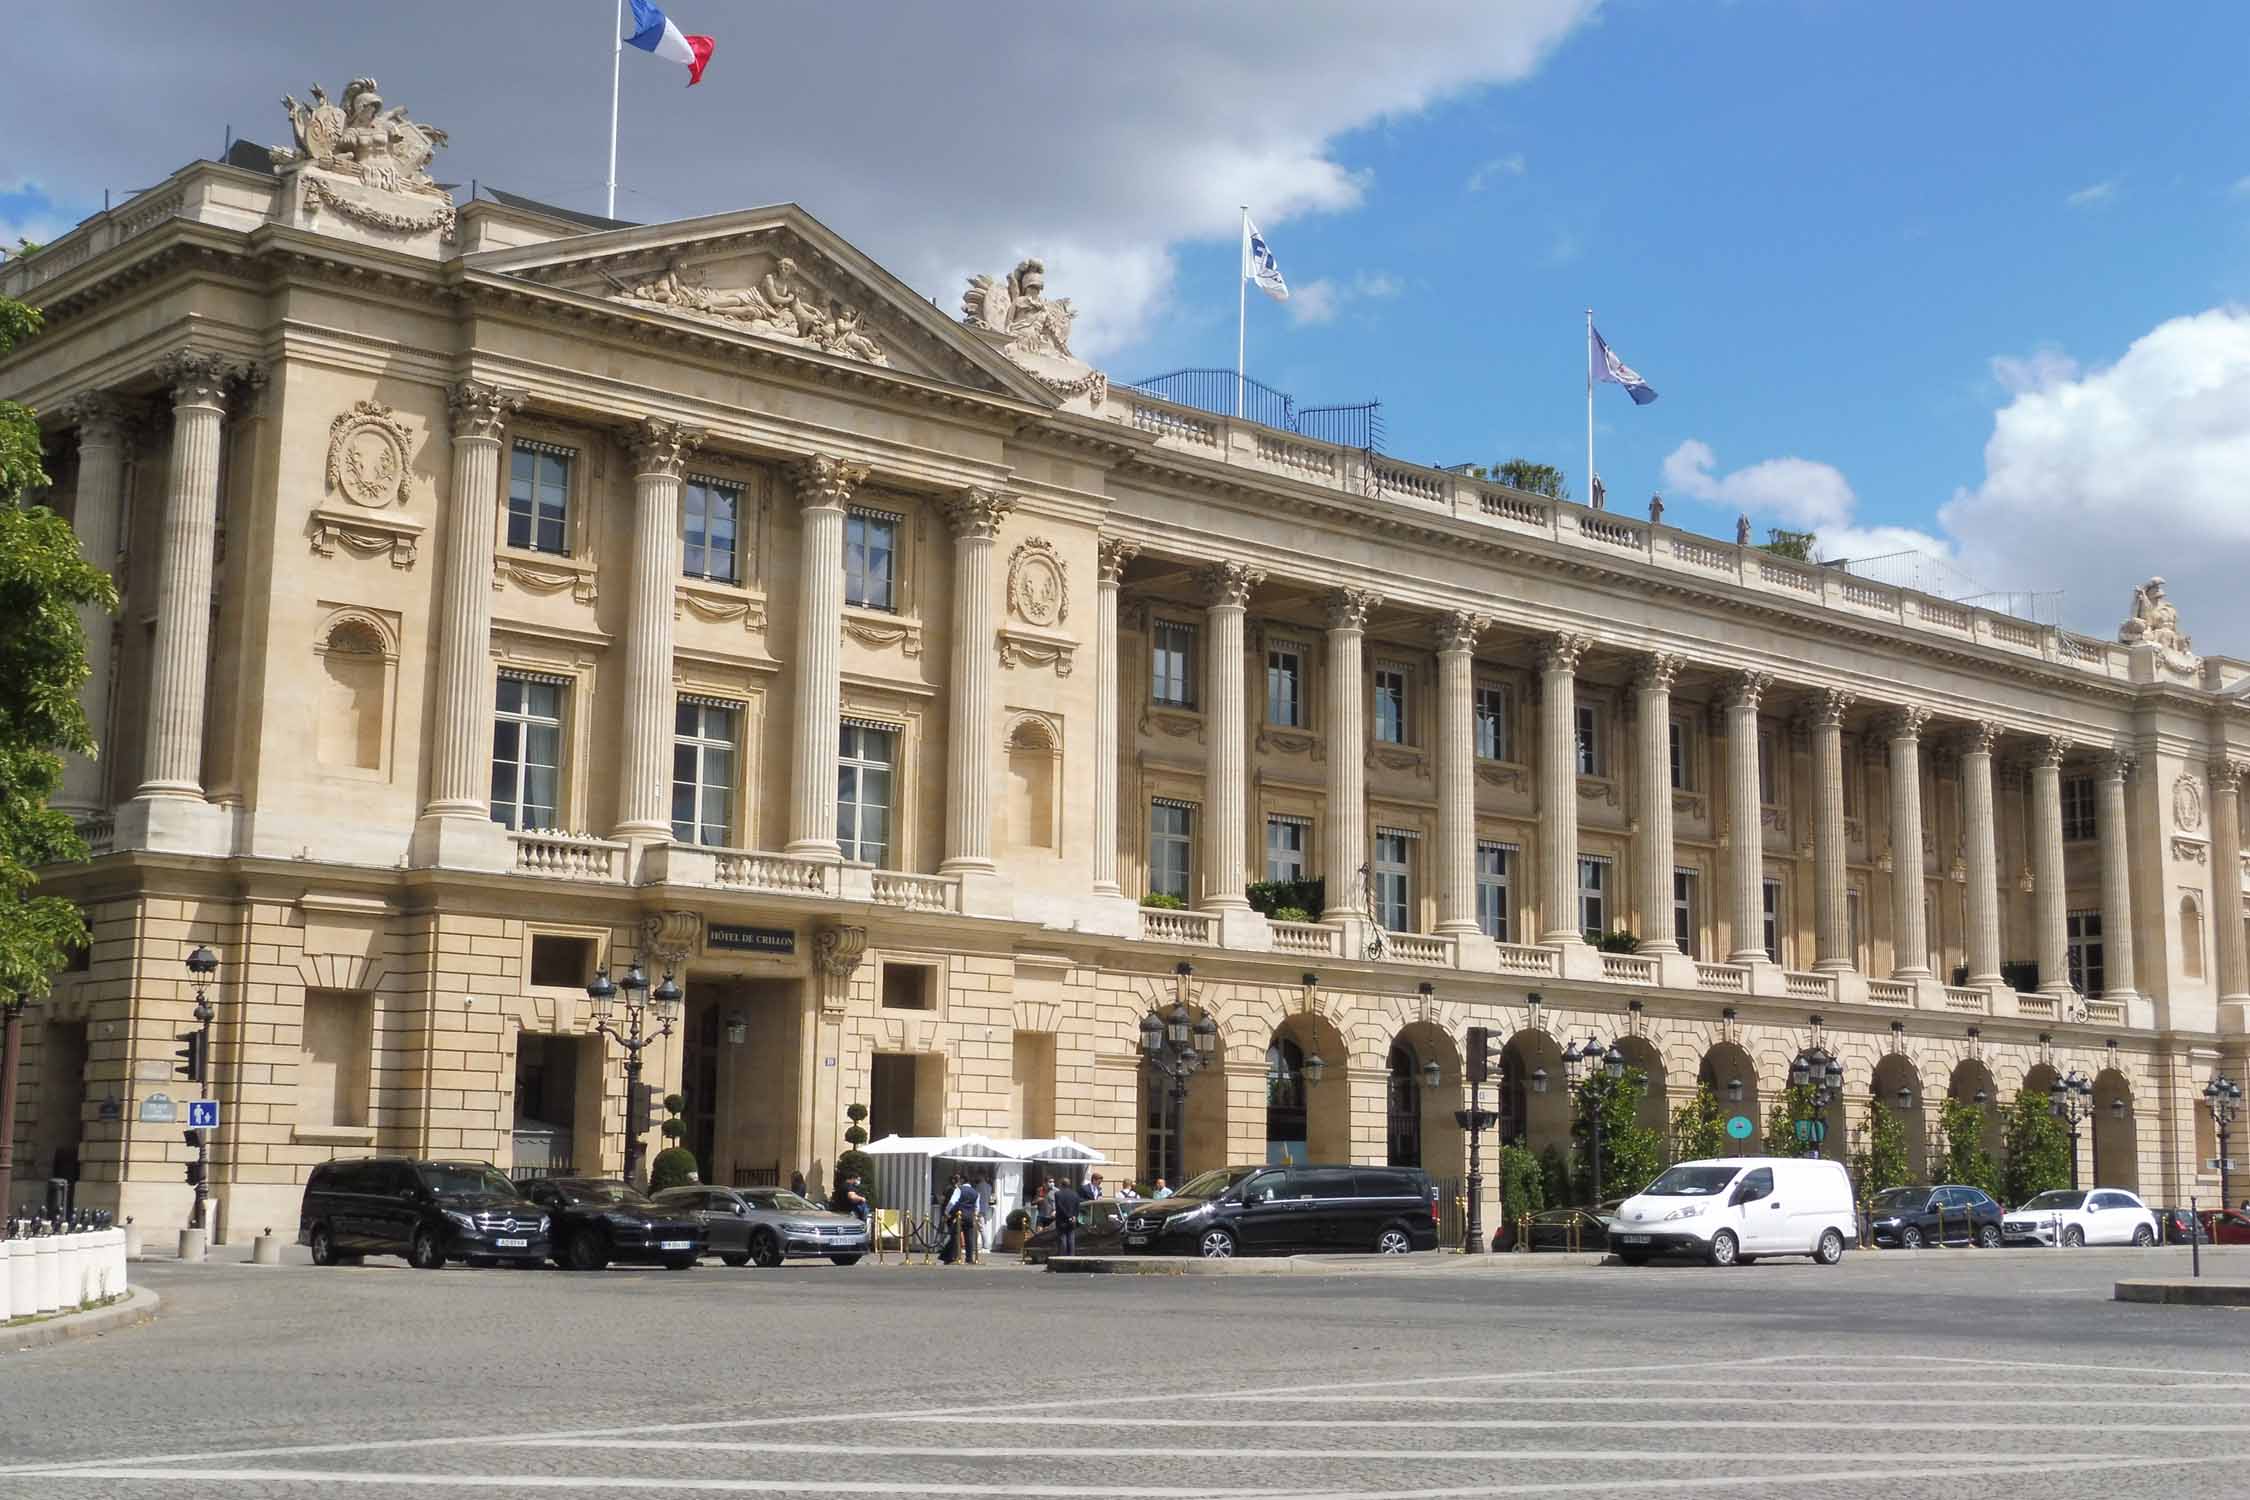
x,y
1795,545
1885,1163
1523,474
1523,1188
2038,1150
1632,1153
1699,1127
1795,1103
1966,1160
674,1167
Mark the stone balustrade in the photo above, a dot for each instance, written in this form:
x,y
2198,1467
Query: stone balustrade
x,y
1308,939
1890,992
1161,926
569,856
1725,979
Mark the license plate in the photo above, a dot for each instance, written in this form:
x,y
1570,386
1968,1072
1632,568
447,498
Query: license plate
x,y
1136,1239
674,1244
1632,1239
512,1244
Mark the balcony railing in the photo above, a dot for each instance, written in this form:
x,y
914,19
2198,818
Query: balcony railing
x,y
1418,948
1727,979
1624,968
1161,926
1808,986
2105,1012
1309,939
2036,1007
1890,992
1968,1002
569,856
917,892
1530,962
780,874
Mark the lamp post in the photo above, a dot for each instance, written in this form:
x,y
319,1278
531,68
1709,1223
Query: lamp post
x,y
1592,1072
1821,1071
201,965
1175,1049
2223,1097
2071,1099
632,992
11,1041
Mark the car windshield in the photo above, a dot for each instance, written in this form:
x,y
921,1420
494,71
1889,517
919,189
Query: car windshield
x,y
1895,1199
604,1193
1690,1182
1212,1183
780,1198
448,1178
2054,1201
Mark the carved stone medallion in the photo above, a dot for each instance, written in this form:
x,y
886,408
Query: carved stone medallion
x,y
1038,583
368,456
2187,804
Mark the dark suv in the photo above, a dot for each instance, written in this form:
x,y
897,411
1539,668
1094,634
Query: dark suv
x,y
428,1211
603,1219
1948,1214
1258,1210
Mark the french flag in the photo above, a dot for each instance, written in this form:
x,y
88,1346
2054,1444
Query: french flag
x,y
653,31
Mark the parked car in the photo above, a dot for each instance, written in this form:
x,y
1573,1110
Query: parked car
x,y
1560,1229
1948,1214
2095,1216
1101,1230
767,1225
1736,1210
2182,1227
2226,1226
428,1211
601,1219
1255,1210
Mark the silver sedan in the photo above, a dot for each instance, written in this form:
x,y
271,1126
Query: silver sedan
x,y
768,1225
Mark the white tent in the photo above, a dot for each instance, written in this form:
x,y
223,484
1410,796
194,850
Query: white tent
x,y
911,1170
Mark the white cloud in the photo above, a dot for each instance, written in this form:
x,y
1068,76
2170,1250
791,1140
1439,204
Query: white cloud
x,y
1511,165
1314,302
1795,492
2042,367
2094,193
1377,285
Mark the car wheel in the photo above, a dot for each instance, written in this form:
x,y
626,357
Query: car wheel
x,y
2144,1237
1632,1258
736,1260
1394,1241
1724,1248
1989,1237
765,1250
2074,1238
425,1254
583,1252
1216,1244
1910,1238
324,1247
1831,1247
845,1260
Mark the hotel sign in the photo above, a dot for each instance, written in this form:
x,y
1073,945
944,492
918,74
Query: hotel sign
x,y
733,937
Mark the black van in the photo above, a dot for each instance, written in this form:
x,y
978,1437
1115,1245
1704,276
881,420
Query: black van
x,y
428,1211
1281,1210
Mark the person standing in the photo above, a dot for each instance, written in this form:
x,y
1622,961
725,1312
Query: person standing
x,y
1163,1189
1066,1201
960,1213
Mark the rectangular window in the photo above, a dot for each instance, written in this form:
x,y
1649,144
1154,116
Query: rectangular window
x,y
1285,679
865,760
1496,905
1285,849
1171,651
539,498
1769,769
527,753
908,986
1390,705
2085,930
1852,928
1686,909
1682,747
1393,881
1171,848
1593,898
710,522
1492,723
704,736
1851,779
1770,904
1590,758
2077,807
871,560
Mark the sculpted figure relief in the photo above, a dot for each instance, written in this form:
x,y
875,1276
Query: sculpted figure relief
x,y
2154,621
381,147
779,306
1035,327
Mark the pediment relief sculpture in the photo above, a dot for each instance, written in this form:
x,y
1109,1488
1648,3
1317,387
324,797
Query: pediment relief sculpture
x,y
781,305
1032,329
368,163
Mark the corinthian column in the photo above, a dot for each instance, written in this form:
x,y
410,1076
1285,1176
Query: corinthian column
x,y
1344,836
173,760
1225,791
1910,938
2226,878
1746,864
100,420
1832,925
1457,634
2052,906
974,516
2117,883
1558,787
1982,855
461,745
1652,694
660,449
1112,555
824,488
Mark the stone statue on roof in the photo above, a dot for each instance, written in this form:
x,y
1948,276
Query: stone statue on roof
x,y
1033,330
360,138
2154,621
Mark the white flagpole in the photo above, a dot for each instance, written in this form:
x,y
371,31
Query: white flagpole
x,y
616,58
1589,406
1241,305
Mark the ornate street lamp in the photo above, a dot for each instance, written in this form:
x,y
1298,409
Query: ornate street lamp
x,y
1178,1047
1593,1073
2071,1099
631,993
2223,1097
1821,1071
201,965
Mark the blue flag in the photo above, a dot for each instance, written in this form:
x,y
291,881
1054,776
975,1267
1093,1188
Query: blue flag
x,y
1603,362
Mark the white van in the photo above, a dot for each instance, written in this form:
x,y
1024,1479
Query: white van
x,y
1733,1210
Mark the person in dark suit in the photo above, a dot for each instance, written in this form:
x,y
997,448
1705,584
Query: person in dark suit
x,y
1067,1203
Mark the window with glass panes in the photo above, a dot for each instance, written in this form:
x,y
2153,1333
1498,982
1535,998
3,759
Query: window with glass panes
x,y
2077,807
703,760
1770,918
1285,848
1285,687
871,559
1171,655
866,762
1769,768
1686,913
527,727
1590,759
1852,927
1171,848
539,498
1390,705
1496,906
710,524
1492,722
1593,898
1682,750
1394,877
2085,932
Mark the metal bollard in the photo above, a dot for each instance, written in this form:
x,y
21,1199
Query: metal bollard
x,y
265,1250
132,1241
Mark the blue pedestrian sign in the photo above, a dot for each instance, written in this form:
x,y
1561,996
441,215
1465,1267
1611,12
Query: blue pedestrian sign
x,y
1740,1127
203,1114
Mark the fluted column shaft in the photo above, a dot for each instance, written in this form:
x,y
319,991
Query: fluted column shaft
x,y
659,451
1558,788
461,746
1652,693
1910,937
2051,903
824,488
974,516
1344,836
1981,854
2118,981
1745,842
2226,879
1112,557
178,690
100,420
1456,772
1832,921
1225,767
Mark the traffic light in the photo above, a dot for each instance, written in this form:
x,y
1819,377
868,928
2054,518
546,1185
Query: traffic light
x,y
195,1174
1484,1055
191,1059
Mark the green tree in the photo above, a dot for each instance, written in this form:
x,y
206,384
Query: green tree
x,y
1631,1152
1966,1160
1886,1159
1699,1127
43,581
1523,1189
1554,1176
2038,1150
1523,474
674,1167
1796,545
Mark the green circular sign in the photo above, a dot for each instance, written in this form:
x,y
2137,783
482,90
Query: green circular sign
x,y
1740,1127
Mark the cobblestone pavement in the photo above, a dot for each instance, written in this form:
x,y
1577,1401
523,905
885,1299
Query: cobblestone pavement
x,y
1894,1375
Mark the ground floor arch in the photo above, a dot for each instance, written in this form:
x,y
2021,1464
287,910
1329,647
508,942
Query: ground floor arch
x,y
1308,1094
1420,1129
1181,1125
1732,1077
1896,1085
1656,1104
2117,1152
1971,1083
1534,1104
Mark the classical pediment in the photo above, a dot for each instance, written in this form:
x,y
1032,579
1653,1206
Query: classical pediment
x,y
774,275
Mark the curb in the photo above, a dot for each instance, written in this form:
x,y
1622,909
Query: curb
x,y
2185,1293
140,1304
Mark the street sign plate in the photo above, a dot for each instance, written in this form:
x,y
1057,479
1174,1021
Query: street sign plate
x,y
1740,1127
2216,1165
203,1114
1812,1132
158,1109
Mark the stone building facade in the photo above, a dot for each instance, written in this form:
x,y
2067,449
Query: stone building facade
x,y
510,596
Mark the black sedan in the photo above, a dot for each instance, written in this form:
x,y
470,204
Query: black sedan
x,y
1949,1214
2181,1227
601,1219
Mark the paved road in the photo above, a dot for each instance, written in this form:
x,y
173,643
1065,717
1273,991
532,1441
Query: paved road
x,y
1944,1374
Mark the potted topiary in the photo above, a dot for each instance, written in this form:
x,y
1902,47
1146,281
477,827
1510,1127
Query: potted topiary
x,y
674,1167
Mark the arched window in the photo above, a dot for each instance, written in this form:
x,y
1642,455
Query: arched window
x,y
1405,1107
1162,1109
1286,1121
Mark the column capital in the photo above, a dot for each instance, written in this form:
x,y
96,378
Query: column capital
x,y
101,418
976,512
481,410
1228,584
1658,670
2048,751
1744,689
196,377
826,482
2226,775
1560,652
2115,765
1903,723
660,447
1348,609
1457,630
1111,554
1827,707
1978,738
